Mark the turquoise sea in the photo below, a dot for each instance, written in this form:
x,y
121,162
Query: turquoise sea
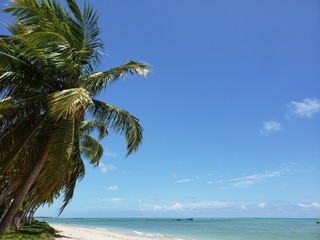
x,y
204,228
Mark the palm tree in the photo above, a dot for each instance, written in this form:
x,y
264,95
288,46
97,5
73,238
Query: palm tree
x,y
47,107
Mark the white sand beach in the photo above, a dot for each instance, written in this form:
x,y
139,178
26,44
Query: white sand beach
x,y
78,233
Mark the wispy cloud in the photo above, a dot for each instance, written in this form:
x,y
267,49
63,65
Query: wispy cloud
x,y
199,177
106,167
270,126
205,175
311,205
249,180
112,188
184,180
307,108
112,200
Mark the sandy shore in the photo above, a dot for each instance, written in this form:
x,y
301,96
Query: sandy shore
x,y
78,233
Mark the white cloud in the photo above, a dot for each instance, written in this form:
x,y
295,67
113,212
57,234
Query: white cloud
x,y
174,207
106,167
312,205
247,181
109,153
112,188
183,180
306,108
262,205
271,126
200,205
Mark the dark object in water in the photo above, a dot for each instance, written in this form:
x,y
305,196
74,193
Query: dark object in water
x,y
318,222
184,219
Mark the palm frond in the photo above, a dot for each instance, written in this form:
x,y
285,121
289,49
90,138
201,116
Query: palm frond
x,y
90,18
120,121
91,149
87,127
73,6
78,171
65,104
8,59
98,81
15,28
19,67
15,142
26,10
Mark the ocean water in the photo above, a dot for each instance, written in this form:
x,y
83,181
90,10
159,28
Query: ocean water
x,y
204,229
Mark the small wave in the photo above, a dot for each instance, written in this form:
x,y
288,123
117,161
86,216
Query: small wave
x,y
154,235
148,234
103,229
138,233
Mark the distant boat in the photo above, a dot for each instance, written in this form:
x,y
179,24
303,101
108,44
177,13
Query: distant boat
x,y
184,219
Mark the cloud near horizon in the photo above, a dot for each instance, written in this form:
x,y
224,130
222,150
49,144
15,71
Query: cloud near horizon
x,y
262,205
311,206
307,108
200,205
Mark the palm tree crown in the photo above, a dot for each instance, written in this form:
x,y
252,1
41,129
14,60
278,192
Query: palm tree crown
x,y
47,107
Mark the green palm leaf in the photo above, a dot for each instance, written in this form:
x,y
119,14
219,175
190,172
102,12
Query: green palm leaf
x,y
98,81
120,121
67,103
91,149
87,127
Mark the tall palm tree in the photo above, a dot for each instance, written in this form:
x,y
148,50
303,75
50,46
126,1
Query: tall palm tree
x,y
47,107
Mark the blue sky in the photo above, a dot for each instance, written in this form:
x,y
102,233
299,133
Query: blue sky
x,y
231,111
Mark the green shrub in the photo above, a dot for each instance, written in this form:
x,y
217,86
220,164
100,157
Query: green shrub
x,y
35,231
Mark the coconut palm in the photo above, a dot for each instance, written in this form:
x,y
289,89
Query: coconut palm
x,y
47,108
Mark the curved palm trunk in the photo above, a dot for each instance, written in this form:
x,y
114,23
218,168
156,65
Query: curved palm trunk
x,y
14,207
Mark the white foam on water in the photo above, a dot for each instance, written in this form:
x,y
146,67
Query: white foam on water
x,y
103,229
155,235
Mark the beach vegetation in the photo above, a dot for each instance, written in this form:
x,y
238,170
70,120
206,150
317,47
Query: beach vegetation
x,y
34,231
49,110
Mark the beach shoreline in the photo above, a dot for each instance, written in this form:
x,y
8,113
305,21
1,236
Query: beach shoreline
x,y
171,229
83,233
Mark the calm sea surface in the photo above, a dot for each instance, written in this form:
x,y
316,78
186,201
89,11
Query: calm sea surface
x,y
204,229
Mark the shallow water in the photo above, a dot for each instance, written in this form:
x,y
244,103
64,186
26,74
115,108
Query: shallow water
x,y
205,229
